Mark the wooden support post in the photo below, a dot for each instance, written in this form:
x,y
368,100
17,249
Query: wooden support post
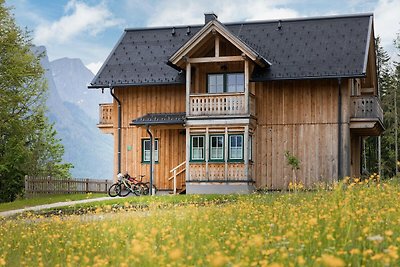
x,y
187,154
207,155
226,143
175,181
188,81
246,86
246,151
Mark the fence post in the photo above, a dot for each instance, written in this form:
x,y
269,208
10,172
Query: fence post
x,y
26,184
87,186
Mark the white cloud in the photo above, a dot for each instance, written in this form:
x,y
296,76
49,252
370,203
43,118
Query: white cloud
x,y
94,66
79,18
387,22
171,13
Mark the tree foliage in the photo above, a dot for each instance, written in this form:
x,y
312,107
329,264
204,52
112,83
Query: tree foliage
x,y
389,86
28,143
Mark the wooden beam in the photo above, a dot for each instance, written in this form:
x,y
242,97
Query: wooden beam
x,y
187,154
246,151
215,59
188,81
206,154
216,45
246,86
226,144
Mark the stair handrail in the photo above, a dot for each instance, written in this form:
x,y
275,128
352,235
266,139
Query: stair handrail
x,y
174,170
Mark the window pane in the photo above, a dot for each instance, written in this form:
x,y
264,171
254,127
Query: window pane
x,y
231,80
212,84
146,150
201,141
236,147
197,147
215,83
240,80
146,155
195,142
217,148
235,82
146,144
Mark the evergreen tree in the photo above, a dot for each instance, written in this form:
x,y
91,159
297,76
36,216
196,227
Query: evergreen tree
x,y
28,145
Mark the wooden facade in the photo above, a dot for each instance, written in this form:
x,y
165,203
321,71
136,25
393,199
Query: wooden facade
x,y
136,102
322,122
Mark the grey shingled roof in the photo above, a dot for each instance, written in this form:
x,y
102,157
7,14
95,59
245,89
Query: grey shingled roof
x,y
323,47
160,118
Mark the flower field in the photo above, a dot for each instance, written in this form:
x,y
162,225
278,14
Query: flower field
x,y
351,225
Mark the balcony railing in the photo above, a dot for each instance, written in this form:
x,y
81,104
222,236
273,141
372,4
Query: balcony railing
x,y
220,104
105,114
218,173
366,107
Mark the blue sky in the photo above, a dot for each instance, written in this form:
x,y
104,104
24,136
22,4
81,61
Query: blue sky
x,y
89,29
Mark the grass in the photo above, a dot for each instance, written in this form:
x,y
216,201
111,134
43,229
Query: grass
x,y
355,225
45,199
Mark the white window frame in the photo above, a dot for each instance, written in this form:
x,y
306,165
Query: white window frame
x,y
202,149
146,152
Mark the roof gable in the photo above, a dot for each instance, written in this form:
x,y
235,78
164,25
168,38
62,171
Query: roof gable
x,y
212,27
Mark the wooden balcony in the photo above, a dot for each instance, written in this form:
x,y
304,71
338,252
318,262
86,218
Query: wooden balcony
x,y
221,104
106,118
366,116
220,172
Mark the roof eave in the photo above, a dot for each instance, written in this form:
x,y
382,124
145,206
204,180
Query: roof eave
x,y
368,44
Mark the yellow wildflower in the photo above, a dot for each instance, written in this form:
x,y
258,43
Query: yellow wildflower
x,y
332,261
175,254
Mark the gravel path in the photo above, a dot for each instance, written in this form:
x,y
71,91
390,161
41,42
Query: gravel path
x,y
53,205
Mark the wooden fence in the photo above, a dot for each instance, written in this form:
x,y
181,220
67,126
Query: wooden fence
x,y
49,185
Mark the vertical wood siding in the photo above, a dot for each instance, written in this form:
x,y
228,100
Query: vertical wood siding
x,y
136,102
300,117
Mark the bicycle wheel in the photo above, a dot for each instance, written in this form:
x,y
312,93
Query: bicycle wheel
x,y
124,190
136,189
147,190
144,189
114,190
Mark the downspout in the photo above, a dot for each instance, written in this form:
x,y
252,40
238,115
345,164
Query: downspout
x,y
119,127
151,159
340,129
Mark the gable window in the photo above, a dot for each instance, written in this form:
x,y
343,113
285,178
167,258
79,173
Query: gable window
x,y
197,148
146,150
225,82
216,148
236,147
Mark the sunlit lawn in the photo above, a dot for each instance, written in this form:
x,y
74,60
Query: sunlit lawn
x,y
357,225
45,199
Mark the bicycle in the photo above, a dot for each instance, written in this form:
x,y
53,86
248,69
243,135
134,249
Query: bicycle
x,y
124,186
127,184
145,190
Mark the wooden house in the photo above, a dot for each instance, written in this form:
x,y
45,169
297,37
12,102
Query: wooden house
x,y
224,102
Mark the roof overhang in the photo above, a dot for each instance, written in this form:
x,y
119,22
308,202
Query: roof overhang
x,y
161,119
214,26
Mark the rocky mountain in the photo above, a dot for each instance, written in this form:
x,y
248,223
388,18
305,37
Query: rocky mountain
x,y
74,110
71,78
